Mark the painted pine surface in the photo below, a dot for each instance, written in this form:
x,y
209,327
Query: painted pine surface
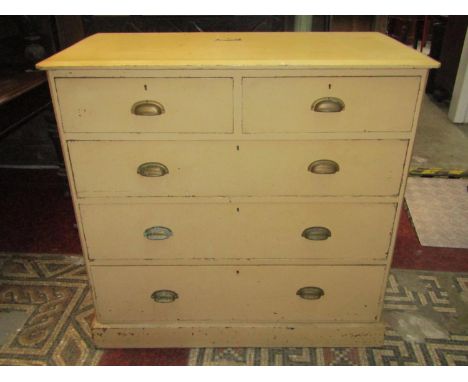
x,y
217,50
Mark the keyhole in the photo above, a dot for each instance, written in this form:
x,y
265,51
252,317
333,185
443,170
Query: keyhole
x,y
146,87
329,86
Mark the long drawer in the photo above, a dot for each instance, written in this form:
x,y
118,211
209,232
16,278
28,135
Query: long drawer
x,y
220,168
143,105
329,104
237,231
147,294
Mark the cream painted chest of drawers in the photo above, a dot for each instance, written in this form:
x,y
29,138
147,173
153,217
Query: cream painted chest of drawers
x,y
237,189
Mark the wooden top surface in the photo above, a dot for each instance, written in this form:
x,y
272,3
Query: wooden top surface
x,y
239,50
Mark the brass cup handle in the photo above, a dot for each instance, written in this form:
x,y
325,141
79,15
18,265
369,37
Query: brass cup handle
x,y
152,169
328,105
316,233
147,108
164,296
157,233
310,293
324,167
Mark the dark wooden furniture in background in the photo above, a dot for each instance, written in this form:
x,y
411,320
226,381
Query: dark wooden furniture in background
x,y
196,23
24,92
404,29
447,36
411,29
22,96
443,80
437,38
358,23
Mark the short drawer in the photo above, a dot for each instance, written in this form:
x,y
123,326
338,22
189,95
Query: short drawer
x,y
349,231
329,104
136,105
144,294
220,168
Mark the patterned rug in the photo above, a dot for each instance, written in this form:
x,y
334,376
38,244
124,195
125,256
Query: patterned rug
x,y
53,295
426,315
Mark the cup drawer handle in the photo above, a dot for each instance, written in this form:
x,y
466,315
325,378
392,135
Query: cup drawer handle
x,y
323,167
152,169
157,233
147,108
310,293
164,296
316,233
328,105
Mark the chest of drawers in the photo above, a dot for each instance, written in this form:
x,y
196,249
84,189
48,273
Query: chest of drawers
x,y
237,189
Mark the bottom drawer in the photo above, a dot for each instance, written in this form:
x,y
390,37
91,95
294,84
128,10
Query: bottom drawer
x,y
143,294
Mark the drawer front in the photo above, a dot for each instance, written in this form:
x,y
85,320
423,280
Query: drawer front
x,y
238,231
202,168
156,105
329,104
237,293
